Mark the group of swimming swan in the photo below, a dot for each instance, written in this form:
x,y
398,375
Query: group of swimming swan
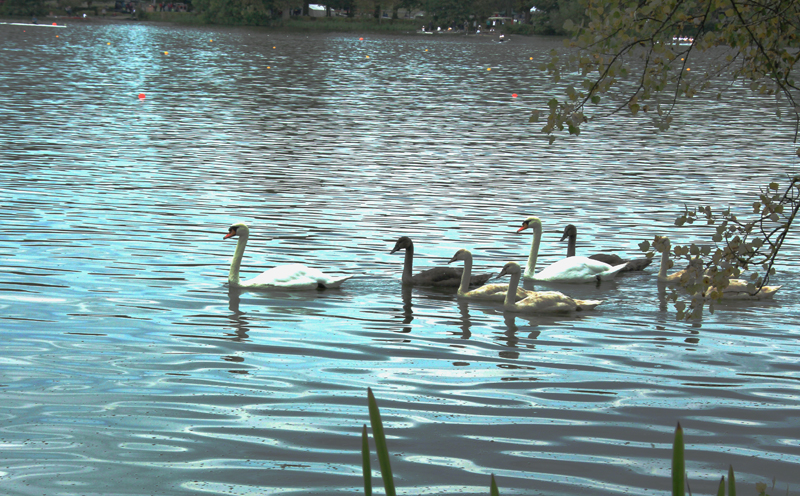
x,y
573,269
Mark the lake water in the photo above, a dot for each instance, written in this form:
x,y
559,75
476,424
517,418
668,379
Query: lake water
x,y
127,367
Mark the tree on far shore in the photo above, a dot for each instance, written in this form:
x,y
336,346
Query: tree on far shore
x,y
634,57
23,8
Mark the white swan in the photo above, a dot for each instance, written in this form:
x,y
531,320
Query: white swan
x,y
496,292
293,276
637,264
437,276
540,301
569,270
737,289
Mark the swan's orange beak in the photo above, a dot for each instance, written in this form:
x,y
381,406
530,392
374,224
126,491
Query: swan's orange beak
x,y
524,226
230,234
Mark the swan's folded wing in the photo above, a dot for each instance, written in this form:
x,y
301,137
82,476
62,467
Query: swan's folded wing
x,y
333,282
637,264
294,276
438,276
608,258
612,272
577,270
739,290
480,279
494,292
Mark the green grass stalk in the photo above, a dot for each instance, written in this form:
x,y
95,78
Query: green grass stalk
x,y
493,488
380,444
365,463
678,464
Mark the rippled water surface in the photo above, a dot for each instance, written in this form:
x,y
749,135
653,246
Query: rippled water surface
x,y
128,367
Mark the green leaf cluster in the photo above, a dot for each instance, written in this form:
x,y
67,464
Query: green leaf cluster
x,y
646,51
739,245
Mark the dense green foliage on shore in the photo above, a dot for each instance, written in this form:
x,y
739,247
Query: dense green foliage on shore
x,y
530,16
300,24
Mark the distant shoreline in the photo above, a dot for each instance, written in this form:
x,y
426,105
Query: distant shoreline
x,y
292,25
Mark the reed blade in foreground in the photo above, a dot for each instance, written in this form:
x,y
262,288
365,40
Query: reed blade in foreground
x,y
380,444
678,464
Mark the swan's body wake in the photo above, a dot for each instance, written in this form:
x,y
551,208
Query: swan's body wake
x,y
292,276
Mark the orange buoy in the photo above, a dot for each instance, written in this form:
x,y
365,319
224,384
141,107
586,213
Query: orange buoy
x,y
513,95
141,96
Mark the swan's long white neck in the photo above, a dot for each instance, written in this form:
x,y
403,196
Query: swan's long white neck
x,y
466,275
408,264
513,284
537,239
236,261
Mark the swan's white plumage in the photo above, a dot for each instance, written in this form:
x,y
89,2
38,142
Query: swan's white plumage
x,y
292,276
566,270
571,235
540,301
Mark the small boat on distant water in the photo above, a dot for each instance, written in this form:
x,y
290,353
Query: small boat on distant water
x,y
54,25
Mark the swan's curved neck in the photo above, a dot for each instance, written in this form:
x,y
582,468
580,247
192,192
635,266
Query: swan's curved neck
x,y
511,294
537,239
408,264
236,261
571,246
662,271
466,275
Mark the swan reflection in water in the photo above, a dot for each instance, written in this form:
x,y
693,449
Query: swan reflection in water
x,y
238,319
408,309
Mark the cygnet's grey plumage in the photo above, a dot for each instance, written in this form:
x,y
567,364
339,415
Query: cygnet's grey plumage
x,y
437,276
637,264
